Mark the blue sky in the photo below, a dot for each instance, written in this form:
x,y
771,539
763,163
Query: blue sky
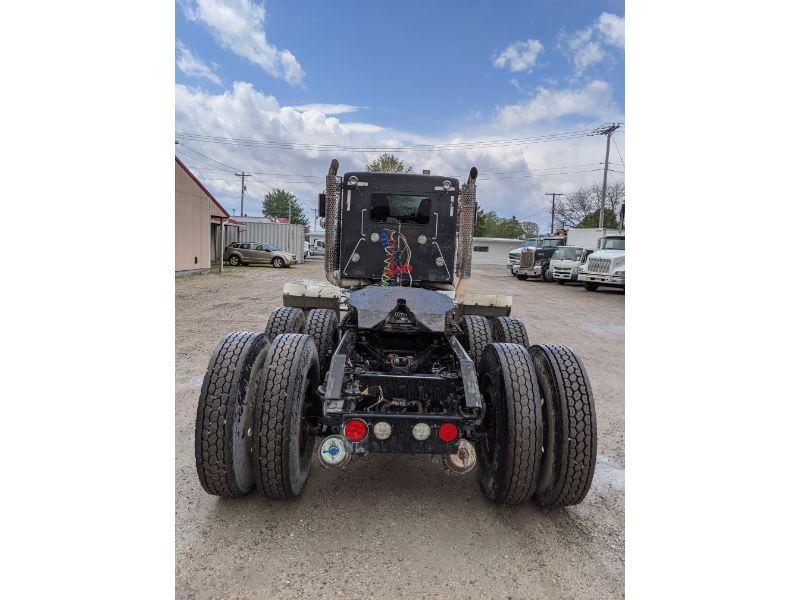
x,y
367,73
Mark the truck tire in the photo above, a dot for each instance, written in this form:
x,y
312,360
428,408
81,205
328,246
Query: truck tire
x,y
224,415
510,452
590,286
284,319
570,426
510,330
283,441
322,326
521,277
477,334
547,275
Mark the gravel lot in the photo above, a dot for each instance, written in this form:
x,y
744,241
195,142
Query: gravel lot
x,y
389,526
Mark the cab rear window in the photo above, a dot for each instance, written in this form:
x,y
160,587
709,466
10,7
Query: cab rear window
x,y
401,208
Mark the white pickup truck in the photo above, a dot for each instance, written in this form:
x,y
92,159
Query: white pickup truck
x,y
606,266
317,248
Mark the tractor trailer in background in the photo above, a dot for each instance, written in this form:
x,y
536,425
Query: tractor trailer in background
x,y
589,237
567,260
606,266
534,260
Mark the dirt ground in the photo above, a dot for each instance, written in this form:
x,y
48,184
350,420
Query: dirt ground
x,y
389,526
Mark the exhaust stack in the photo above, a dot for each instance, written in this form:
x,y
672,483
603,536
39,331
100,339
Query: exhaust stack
x,y
332,204
466,227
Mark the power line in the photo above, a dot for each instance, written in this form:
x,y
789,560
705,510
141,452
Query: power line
x,y
207,157
544,169
538,175
401,148
622,160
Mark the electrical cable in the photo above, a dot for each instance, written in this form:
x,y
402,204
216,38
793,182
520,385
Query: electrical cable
x,y
508,142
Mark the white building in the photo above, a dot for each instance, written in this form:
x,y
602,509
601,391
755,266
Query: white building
x,y
492,251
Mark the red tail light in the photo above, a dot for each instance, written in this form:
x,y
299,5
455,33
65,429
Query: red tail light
x,y
448,432
355,430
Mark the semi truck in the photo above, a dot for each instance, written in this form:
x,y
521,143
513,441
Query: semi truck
x,y
515,254
393,356
589,237
606,266
535,261
581,242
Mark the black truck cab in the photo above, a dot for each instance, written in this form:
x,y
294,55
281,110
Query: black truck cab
x,y
398,229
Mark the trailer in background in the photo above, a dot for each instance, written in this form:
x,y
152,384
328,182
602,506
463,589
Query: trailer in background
x,y
589,237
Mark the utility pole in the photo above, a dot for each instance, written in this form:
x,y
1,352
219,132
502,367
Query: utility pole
x,y
608,132
553,209
243,175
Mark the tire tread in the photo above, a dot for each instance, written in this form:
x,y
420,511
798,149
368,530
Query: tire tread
x,y
522,458
284,319
575,450
224,384
510,330
282,374
477,335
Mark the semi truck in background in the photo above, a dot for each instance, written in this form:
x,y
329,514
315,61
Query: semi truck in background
x,y
589,237
515,254
606,266
567,260
534,261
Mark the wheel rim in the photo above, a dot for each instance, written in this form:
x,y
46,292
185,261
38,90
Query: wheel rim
x,y
278,262
234,260
305,434
487,447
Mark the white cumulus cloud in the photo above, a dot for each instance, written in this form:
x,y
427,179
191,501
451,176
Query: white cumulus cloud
x,y
191,65
612,27
594,100
326,109
519,56
238,26
589,46
242,111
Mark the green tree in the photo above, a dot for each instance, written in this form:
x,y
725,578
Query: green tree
x,y
510,228
490,224
388,163
593,220
279,203
585,201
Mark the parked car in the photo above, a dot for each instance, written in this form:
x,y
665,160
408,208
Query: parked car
x,y
246,253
